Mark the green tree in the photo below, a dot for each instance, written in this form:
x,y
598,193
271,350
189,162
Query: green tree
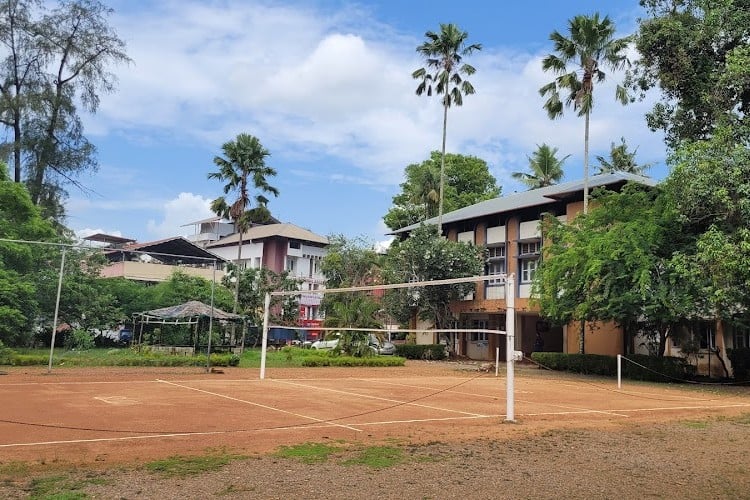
x,y
351,262
579,61
425,256
244,161
710,188
360,311
467,181
616,264
697,54
621,160
444,54
21,265
55,59
544,166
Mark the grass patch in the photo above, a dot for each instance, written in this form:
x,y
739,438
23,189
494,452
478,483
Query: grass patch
x,y
57,488
180,466
309,453
378,457
14,470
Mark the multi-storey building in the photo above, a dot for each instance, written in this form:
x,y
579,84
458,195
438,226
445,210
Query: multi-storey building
x,y
281,247
509,227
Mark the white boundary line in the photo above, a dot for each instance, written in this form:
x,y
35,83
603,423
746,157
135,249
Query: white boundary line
x,y
259,405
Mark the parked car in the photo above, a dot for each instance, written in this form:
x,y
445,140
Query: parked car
x,y
381,346
329,343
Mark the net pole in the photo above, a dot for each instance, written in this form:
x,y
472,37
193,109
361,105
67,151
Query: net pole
x,y
619,371
264,344
510,335
211,321
57,310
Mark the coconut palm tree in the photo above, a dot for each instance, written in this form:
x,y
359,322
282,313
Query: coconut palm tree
x,y
545,168
621,160
444,53
244,162
578,62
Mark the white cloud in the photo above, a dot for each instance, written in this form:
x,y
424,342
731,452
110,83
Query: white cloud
x,y
187,207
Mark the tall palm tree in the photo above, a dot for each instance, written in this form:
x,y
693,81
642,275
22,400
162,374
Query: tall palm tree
x,y
621,160
244,161
590,47
545,168
444,53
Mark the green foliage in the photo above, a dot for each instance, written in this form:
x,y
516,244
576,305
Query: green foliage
x,y
545,169
615,264
333,360
421,351
657,369
696,53
56,61
181,466
740,359
467,181
621,160
378,457
309,453
710,188
80,340
425,256
254,283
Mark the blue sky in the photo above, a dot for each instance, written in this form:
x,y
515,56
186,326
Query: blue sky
x,y
326,86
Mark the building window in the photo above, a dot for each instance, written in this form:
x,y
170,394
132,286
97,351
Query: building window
x,y
295,244
479,324
529,248
528,268
741,337
291,264
495,264
706,334
257,263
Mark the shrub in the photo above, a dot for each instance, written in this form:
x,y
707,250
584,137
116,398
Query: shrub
x,y
314,361
656,369
421,351
740,359
80,340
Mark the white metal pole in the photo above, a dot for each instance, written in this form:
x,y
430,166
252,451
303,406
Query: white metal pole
x,y
497,361
211,320
510,341
57,310
264,344
619,371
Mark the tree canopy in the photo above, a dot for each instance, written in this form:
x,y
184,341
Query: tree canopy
x,y
425,256
621,159
697,54
545,168
444,73
467,181
55,58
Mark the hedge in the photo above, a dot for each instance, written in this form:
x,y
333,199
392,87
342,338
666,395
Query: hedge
x,y
353,361
421,351
657,369
16,359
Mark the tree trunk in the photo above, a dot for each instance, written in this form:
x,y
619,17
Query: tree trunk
x,y
442,169
237,284
586,164
582,338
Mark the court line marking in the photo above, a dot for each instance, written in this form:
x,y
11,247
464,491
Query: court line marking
x,y
388,400
386,422
582,409
259,405
427,388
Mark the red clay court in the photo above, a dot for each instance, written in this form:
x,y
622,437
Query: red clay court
x,y
124,415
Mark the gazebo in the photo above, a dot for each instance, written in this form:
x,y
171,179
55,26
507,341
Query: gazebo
x,y
189,313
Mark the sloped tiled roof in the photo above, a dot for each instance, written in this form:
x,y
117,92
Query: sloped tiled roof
x,y
266,231
531,198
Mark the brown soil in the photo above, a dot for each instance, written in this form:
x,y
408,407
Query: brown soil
x,y
680,452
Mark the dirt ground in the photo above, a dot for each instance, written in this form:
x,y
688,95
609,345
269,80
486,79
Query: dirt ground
x,y
676,442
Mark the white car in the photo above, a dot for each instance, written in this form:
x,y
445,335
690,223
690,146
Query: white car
x,y
330,343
